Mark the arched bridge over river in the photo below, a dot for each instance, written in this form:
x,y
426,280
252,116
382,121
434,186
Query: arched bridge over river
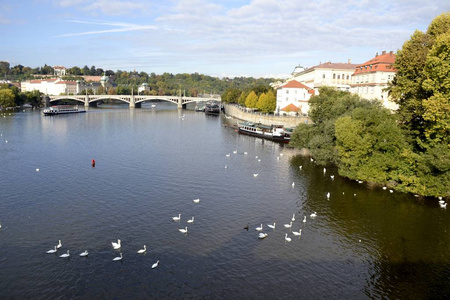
x,y
132,100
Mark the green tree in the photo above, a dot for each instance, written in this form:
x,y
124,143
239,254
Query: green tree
x,y
266,102
4,68
243,97
251,100
6,98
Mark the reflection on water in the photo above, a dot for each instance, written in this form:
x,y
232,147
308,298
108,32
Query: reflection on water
x,y
151,164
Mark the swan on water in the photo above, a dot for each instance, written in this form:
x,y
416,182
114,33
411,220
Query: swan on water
x,y
183,230
235,151
293,184
255,175
328,195
262,235
304,219
52,251
332,177
226,167
155,264
300,167
85,253
245,153
272,226
293,217
227,155
384,188
287,239
313,215
391,191
191,220
281,154
118,257
59,244
443,205
142,250
65,255
177,218
116,245
259,228
37,170
196,200
288,225
324,170
297,233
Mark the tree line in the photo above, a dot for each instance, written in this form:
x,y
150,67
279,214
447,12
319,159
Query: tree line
x,y
126,81
260,97
408,150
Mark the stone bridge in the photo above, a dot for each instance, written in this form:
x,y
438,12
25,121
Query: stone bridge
x,y
132,100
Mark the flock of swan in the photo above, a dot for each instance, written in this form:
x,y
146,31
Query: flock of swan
x,y
115,245
190,221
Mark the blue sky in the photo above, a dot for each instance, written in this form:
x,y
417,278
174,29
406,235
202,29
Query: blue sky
x,y
256,38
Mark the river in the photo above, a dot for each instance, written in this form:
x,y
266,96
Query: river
x,y
150,164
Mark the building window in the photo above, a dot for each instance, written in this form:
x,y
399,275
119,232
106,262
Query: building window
x,y
287,91
339,76
348,77
334,76
323,76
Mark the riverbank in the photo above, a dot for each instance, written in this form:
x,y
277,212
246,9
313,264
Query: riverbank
x,y
257,117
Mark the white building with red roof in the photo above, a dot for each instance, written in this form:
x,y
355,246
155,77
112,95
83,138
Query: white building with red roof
x,y
59,70
338,75
293,98
51,86
371,78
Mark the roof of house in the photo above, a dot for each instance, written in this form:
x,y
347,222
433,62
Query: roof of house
x,y
380,63
290,107
294,84
330,65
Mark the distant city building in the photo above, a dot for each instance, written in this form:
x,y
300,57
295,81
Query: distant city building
x,y
371,78
338,75
293,98
51,86
143,87
59,71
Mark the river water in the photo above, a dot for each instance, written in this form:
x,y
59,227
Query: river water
x,y
150,164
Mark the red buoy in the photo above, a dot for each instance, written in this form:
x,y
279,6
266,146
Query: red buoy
x,y
93,163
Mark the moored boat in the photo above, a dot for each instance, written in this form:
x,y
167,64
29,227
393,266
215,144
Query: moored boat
x,y
275,133
212,107
63,109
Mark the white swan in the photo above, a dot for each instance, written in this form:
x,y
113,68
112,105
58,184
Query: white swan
x,y
155,264
440,202
118,257
287,239
313,215
332,177
196,200
183,230
443,205
65,255
288,225
142,250
245,153
235,151
384,188
293,184
293,217
324,170
116,245
85,253
37,170
191,220
391,191
304,219
259,228
297,233
177,218
262,235
59,244
272,226
328,195
52,251
255,175
300,167
227,155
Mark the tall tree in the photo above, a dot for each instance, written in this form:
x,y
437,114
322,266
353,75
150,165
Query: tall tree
x,y
6,98
251,100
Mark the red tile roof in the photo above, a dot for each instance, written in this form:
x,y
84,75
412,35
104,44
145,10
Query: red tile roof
x,y
330,65
380,63
295,85
291,107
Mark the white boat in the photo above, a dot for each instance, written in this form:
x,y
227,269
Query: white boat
x,y
63,109
274,132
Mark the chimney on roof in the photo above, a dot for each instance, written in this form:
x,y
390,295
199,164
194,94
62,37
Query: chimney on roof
x,y
383,53
349,61
391,52
376,54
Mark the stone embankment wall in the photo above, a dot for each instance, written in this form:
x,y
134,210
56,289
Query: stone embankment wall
x,y
257,117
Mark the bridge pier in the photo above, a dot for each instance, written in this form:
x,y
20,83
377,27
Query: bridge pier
x,y
180,103
86,101
132,103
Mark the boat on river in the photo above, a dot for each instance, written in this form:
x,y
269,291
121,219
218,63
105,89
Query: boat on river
x,y
63,109
212,107
275,133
